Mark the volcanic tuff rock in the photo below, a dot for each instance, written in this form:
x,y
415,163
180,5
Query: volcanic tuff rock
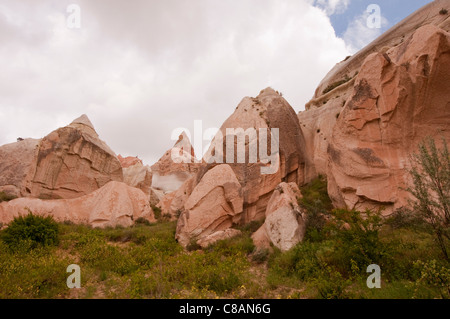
x,y
169,175
135,174
114,204
69,162
268,110
322,111
17,166
284,225
216,203
398,99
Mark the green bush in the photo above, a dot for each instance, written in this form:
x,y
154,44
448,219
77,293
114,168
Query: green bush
x,y
28,232
318,205
434,274
5,197
356,240
157,212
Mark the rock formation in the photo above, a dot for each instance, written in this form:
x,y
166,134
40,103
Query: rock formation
x,y
284,225
69,162
372,109
114,204
17,165
169,175
268,110
216,203
395,103
136,174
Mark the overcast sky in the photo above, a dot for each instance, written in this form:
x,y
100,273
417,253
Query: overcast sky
x,y
140,69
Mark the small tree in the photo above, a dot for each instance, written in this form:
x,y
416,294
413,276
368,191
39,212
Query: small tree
x,y
431,178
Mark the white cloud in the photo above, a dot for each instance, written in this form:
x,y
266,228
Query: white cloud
x,y
359,34
333,6
141,70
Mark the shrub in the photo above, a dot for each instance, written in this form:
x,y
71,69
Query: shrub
x,y
157,212
5,197
434,275
331,284
356,238
31,231
142,221
431,188
317,204
443,11
260,255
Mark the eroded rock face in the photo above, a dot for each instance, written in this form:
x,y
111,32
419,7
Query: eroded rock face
x,y
169,175
268,110
114,204
135,174
173,203
129,161
17,165
327,104
284,225
70,162
216,203
399,97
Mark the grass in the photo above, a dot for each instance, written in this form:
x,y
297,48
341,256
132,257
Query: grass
x,y
145,261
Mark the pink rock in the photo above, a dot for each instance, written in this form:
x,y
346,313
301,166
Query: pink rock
x,y
114,204
284,225
216,203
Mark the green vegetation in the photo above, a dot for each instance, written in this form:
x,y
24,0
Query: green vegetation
x,y
443,11
28,232
431,178
5,197
340,244
145,261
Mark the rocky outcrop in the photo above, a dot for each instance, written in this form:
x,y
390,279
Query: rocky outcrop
x,y
176,166
268,110
399,97
114,204
284,225
129,161
135,174
322,112
173,203
216,203
17,165
69,162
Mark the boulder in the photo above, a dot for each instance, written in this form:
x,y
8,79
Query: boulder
x,y
216,203
284,225
17,166
113,204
